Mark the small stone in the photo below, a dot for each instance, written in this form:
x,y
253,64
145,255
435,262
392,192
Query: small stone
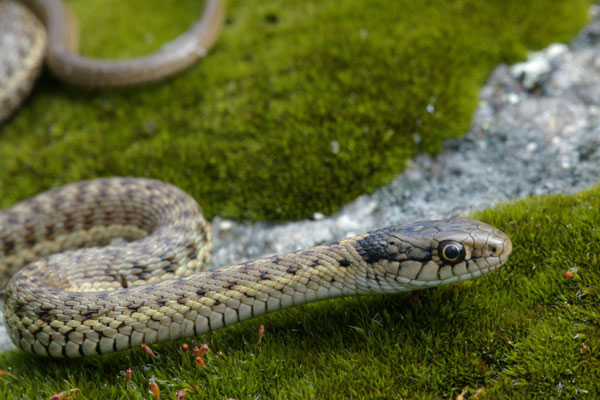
x,y
335,146
225,225
536,69
318,216
512,98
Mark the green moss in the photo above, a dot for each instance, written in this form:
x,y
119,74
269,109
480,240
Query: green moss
x,y
525,331
252,130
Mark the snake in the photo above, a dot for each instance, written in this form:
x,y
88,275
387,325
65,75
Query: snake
x,y
109,264
32,31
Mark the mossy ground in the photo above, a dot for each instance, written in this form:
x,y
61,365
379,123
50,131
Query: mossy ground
x,y
300,107
525,331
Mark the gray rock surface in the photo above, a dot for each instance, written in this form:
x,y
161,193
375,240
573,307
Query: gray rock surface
x,y
531,134
535,71
536,131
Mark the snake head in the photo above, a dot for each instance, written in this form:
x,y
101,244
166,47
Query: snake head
x,y
433,253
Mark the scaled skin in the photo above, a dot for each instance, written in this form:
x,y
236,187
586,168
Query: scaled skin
x,y
103,299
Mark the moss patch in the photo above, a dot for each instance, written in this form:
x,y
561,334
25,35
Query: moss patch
x,y
526,331
302,105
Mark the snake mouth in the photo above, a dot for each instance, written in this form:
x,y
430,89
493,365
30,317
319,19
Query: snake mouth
x,y
497,248
506,249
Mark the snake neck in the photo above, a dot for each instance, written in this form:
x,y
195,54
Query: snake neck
x,y
287,280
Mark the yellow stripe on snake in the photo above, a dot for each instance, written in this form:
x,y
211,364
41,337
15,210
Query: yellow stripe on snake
x,y
68,301
30,29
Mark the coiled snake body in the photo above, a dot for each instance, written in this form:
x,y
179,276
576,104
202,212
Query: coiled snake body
x,y
69,301
30,29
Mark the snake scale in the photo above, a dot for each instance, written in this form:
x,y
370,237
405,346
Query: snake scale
x,y
78,293
32,29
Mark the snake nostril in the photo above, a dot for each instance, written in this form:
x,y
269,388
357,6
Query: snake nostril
x,y
493,250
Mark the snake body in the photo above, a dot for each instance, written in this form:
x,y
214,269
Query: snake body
x,y
68,301
22,49
23,26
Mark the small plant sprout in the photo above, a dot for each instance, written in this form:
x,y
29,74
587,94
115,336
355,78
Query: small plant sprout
x,y
154,388
261,333
63,395
127,376
6,373
201,351
148,350
570,272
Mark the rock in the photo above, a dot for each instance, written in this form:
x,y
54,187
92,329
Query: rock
x,y
536,69
520,144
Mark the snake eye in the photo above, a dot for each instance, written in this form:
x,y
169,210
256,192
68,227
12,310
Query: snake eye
x,y
451,252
